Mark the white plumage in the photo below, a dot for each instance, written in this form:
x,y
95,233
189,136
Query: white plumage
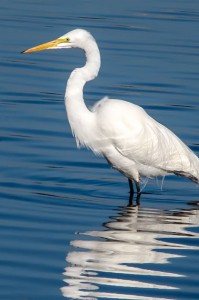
x,y
131,141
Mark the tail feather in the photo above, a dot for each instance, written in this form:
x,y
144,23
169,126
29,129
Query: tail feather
x,y
187,175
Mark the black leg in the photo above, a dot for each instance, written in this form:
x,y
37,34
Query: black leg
x,y
132,192
131,186
138,188
138,199
130,204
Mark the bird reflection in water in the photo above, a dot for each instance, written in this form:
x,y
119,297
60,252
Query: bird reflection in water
x,y
132,258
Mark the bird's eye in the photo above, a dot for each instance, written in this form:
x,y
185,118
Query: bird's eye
x,y
64,40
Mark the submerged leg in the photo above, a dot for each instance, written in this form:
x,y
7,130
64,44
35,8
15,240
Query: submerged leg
x,y
138,199
132,192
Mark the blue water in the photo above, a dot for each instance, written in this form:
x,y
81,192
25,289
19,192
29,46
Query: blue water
x,y
66,230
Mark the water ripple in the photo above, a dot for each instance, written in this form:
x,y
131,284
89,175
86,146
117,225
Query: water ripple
x,y
136,256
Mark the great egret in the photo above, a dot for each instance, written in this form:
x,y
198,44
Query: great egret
x,y
130,140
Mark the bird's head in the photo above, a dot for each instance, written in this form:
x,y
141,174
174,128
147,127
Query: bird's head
x,y
77,38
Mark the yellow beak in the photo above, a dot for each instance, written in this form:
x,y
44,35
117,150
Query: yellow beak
x,y
49,45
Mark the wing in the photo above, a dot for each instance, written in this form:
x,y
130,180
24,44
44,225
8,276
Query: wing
x,y
143,140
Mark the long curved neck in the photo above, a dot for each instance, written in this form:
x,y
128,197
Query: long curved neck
x,y
79,116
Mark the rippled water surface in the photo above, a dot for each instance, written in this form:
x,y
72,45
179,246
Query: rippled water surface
x,y
67,230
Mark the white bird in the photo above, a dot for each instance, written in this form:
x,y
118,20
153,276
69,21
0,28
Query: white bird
x,y
130,140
